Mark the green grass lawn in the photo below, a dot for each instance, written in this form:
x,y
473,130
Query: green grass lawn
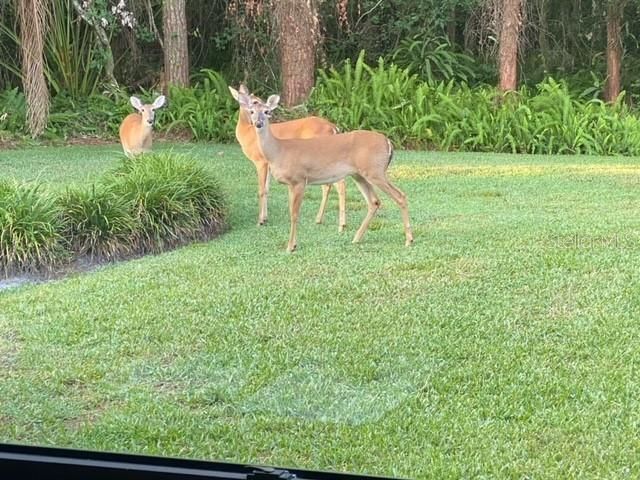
x,y
504,344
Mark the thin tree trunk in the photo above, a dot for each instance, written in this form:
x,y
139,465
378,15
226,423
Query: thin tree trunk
x,y
511,26
299,35
176,50
452,26
33,17
543,31
103,39
614,49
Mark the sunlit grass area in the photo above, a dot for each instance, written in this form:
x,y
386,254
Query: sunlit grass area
x,y
502,344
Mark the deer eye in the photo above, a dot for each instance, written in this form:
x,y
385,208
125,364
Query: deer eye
x,y
267,112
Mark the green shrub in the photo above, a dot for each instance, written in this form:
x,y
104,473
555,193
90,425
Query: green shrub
x,y
361,97
99,223
206,110
97,115
31,229
146,204
174,199
13,108
449,116
434,60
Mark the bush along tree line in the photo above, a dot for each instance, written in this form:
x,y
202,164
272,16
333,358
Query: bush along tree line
x,y
552,76
145,205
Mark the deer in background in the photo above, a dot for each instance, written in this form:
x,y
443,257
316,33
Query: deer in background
x,y
361,154
136,129
308,127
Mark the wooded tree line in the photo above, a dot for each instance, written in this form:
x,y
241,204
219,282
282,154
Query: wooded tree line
x,y
83,47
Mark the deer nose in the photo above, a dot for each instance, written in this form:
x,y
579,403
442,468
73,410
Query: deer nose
x,y
259,124
150,121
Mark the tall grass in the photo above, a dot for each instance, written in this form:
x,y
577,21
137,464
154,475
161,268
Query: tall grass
x,y
99,223
31,229
148,204
173,199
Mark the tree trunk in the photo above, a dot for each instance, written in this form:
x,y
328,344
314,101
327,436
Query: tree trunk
x,y
299,34
452,26
543,31
614,49
103,38
176,51
510,28
33,16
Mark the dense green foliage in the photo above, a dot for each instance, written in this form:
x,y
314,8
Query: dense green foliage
x,y
502,344
448,116
433,60
430,90
562,38
173,200
150,203
206,110
99,222
30,229
548,118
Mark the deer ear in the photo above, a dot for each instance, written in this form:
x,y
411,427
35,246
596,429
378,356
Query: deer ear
x,y
137,104
159,102
243,89
272,101
245,101
234,92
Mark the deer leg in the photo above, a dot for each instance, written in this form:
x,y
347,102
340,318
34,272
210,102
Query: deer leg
x,y
401,199
373,203
296,193
341,187
263,191
323,204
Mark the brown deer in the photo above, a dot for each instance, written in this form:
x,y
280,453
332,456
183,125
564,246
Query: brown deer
x,y
136,129
361,154
308,127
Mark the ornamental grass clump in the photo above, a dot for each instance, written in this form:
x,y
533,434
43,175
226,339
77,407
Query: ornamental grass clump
x,y
174,199
31,227
99,223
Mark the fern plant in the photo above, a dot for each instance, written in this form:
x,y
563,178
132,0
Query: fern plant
x,y
206,110
434,60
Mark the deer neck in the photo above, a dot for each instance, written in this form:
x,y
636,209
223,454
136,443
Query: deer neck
x,y
269,144
244,128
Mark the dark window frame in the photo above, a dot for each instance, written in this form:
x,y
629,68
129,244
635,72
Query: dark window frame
x,y
28,461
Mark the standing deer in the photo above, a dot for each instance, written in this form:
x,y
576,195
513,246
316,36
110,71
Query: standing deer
x,y
308,127
136,129
361,154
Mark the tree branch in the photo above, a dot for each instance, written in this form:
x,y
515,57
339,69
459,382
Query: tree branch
x,y
103,38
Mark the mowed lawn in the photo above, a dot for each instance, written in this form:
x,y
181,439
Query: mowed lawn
x,y
505,343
